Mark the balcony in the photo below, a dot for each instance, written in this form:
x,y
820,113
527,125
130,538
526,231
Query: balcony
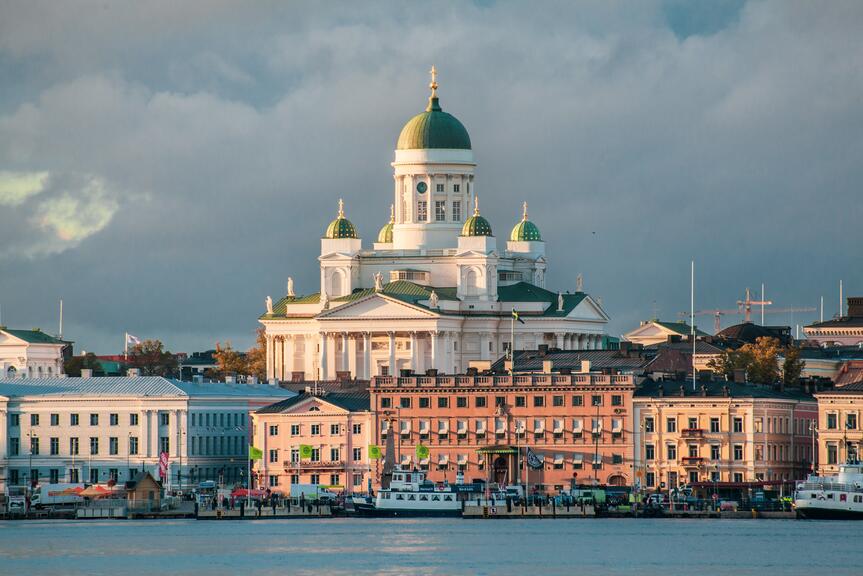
x,y
692,460
692,433
322,464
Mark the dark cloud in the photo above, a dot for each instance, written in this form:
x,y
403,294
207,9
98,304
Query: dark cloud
x,y
197,151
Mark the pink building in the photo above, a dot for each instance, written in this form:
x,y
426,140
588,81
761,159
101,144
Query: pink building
x,y
337,427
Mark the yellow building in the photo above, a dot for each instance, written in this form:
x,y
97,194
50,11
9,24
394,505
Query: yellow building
x,y
720,432
839,432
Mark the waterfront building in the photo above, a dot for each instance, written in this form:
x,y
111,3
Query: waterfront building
x,y
31,354
577,424
434,291
98,429
840,435
656,331
720,432
336,428
846,330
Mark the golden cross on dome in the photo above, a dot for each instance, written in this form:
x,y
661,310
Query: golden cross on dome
x,y
433,84
524,211
341,208
476,205
392,213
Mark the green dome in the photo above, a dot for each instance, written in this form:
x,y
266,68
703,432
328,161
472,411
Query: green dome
x,y
525,231
341,227
476,225
385,236
433,128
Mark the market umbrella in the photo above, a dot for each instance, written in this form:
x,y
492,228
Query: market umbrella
x,y
94,491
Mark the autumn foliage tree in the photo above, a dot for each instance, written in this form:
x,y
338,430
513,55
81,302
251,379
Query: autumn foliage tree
x,y
761,362
229,361
151,359
252,363
256,357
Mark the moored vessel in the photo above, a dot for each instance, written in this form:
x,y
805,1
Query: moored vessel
x,y
411,494
832,497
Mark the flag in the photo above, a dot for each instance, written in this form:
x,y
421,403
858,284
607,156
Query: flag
x,y
516,316
163,465
533,460
375,452
305,451
255,453
422,452
132,340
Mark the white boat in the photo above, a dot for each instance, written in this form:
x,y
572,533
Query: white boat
x,y
411,494
832,497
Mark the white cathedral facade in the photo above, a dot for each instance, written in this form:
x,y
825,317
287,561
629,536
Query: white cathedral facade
x,y
434,292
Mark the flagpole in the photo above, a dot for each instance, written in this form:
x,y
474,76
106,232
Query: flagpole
x,y
512,343
249,482
126,346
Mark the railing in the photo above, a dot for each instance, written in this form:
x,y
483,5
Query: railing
x,y
444,381
692,433
830,487
319,464
692,460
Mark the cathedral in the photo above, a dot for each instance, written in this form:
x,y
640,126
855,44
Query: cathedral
x,y
434,292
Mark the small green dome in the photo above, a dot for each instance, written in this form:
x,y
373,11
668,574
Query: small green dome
x,y
385,236
341,227
525,230
476,225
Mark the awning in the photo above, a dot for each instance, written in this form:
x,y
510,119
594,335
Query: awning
x,y
597,458
424,426
497,450
461,426
405,426
616,425
499,426
558,458
597,425
443,459
480,426
424,461
442,426
577,458
576,425
520,426
406,459
539,425
462,459
385,426
558,426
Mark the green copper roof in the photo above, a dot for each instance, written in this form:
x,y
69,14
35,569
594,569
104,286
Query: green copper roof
x,y
341,227
525,231
433,128
34,336
385,236
476,225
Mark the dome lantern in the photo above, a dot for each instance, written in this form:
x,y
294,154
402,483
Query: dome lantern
x,y
341,227
525,230
433,128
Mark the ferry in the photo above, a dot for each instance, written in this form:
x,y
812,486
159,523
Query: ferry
x,y
411,494
832,497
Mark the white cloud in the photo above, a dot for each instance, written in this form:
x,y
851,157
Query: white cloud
x,y
17,187
76,215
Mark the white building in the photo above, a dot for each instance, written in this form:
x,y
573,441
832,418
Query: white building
x,y
30,354
435,291
96,429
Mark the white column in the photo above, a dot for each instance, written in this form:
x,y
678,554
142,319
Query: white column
x,y
352,356
367,355
271,364
290,356
310,344
435,349
446,357
324,360
558,340
393,371
414,355
345,353
484,339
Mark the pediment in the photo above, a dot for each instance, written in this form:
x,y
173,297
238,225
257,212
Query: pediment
x,y
650,330
337,256
376,307
588,309
313,406
9,340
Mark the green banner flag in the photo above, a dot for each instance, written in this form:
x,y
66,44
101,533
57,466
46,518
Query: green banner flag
x,y
375,452
255,453
422,452
305,451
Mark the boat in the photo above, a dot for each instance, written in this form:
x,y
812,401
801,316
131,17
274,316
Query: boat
x,y
410,494
838,497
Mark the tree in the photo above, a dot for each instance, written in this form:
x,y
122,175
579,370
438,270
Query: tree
x,y
256,357
792,367
150,358
73,366
760,361
229,360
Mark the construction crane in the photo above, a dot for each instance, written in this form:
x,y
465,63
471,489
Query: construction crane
x,y
745,307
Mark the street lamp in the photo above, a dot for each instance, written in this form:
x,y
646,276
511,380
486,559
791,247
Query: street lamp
x,y
34,478
814,429
129,457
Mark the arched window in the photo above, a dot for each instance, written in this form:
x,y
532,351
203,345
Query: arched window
x,y
471,283
337,282
11,372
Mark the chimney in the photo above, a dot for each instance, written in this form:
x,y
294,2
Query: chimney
x,y
230,379
547,366
133,373
542,349
739,376
253,379
86,372
661,391
703,390
682,390
585,366
726,391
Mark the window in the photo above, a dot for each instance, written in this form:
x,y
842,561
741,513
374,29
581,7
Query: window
x,y
54,476
693,450
405,402
738,425
456,187
316,455
438,188
274,430
94,419
851,421
480,401
461,402
714,425
692,423
94,445
738,476
616,400
538,401
34,419
164,445
13,477
335,429
440,210
442,402
422,211
335,455
832,453
738,451
274,456
14,446
832,421
386,402
648,424
274,480
759,425
55,419
316,429
617,459
671,425
557,400
113,446
295,456
714,452
133,445
73,447
133,419
335,480
520,401
73,419
650,479
671,450
596,400
114,419
357,428
456,210
649,452
358,480
55,446
34,445
424,402
358,454
295,429
163,419
295,478
500,400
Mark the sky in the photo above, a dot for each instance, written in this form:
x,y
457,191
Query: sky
x,y
164,166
